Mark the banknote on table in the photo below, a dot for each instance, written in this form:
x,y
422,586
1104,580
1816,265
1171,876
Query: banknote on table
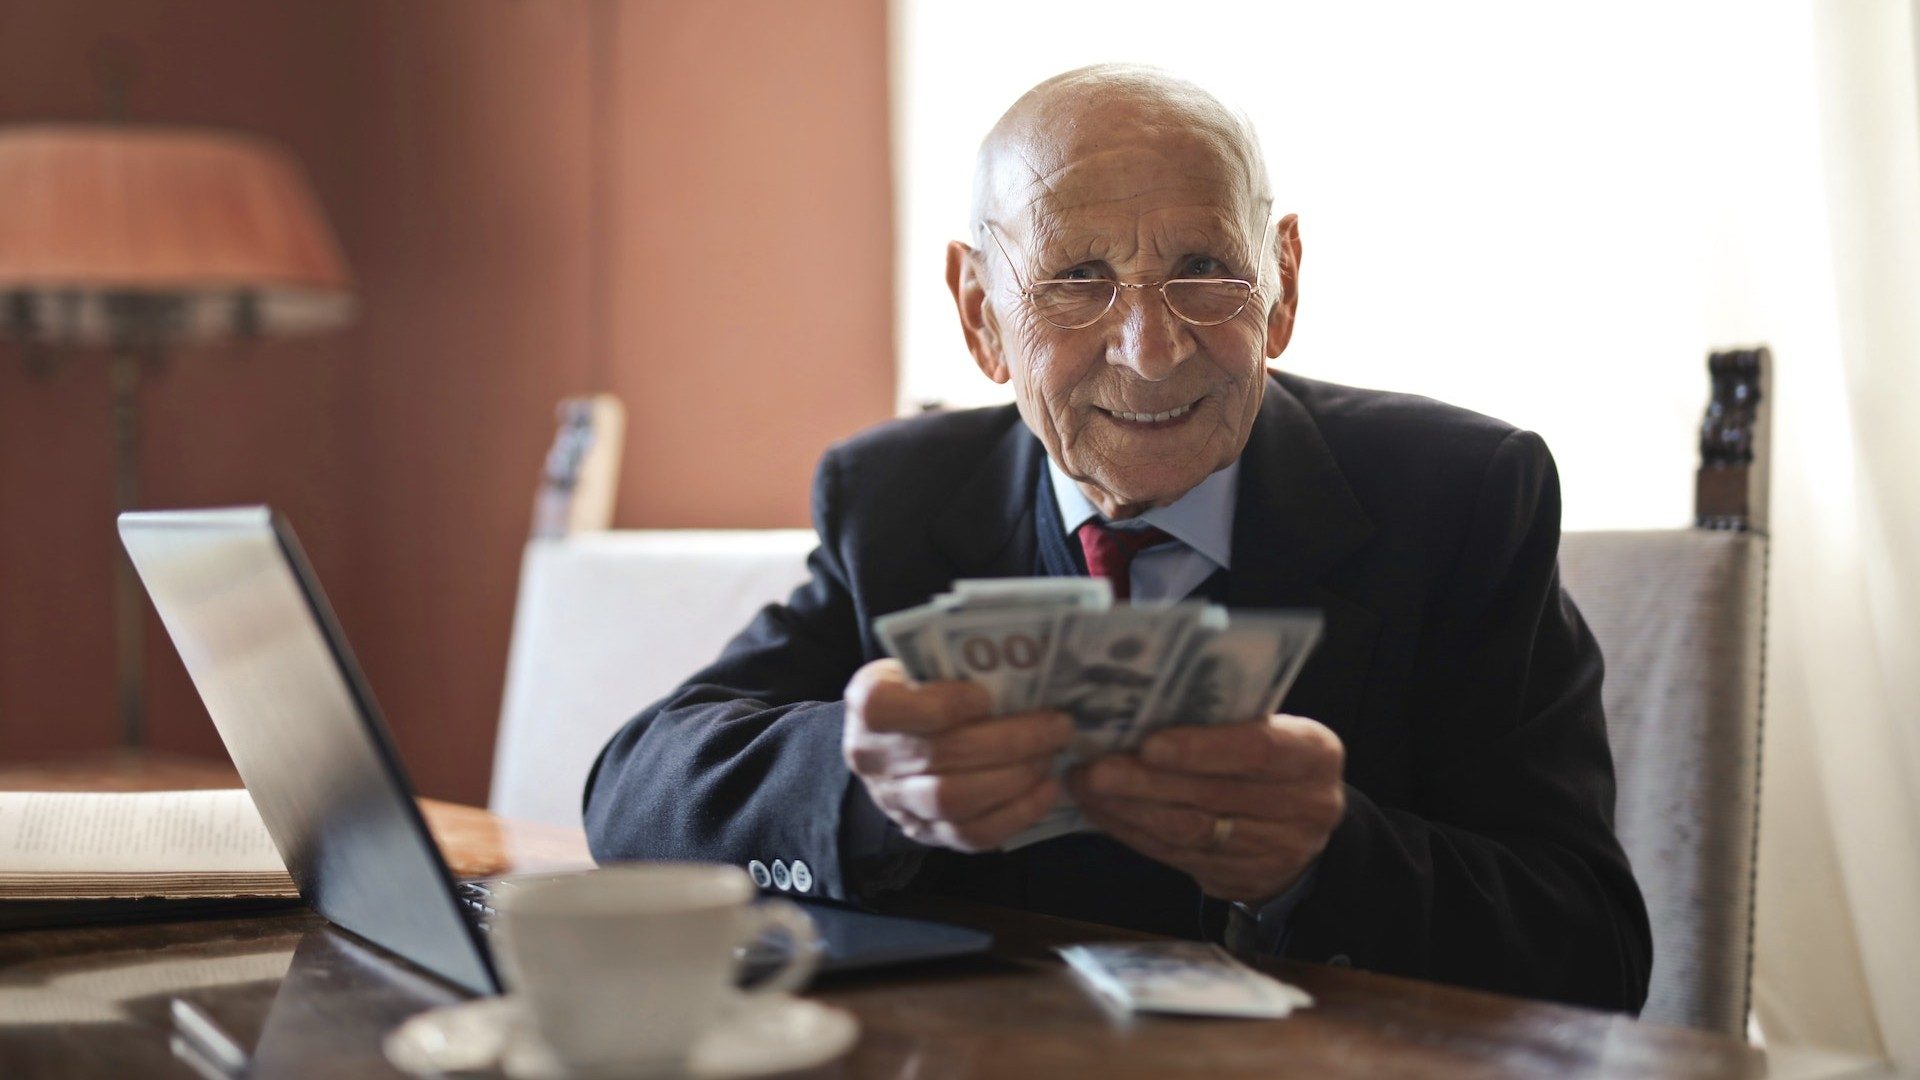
x,y
1121,672
1187,978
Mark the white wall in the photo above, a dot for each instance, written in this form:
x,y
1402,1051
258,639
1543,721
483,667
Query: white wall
x,y
1546,212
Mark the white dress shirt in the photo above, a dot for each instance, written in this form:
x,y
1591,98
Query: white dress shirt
x,y
1201,521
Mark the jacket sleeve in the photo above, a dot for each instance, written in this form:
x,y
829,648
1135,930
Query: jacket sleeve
x,y
1503,871
742,762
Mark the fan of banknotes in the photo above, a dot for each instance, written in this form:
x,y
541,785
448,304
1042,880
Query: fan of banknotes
x,y
1121,672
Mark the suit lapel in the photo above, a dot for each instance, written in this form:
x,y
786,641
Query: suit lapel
x,y
1295,520
1294,517
987,529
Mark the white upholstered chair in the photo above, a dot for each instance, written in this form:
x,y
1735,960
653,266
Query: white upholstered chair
x,y
606,624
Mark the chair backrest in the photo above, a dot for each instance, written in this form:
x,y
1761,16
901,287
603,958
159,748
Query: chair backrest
x,y
1681,619
582,471
1679,616
607,623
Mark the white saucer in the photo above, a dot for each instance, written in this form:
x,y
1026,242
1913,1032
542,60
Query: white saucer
x,y
763,1034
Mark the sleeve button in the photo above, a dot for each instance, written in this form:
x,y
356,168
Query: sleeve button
x,y
782,880
758,871
802,877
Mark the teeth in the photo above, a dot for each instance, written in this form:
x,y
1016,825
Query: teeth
x,y
1146,418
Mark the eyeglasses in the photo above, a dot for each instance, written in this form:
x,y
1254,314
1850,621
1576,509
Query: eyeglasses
x,y
1075,303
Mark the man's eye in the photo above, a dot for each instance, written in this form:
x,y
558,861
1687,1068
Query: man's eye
x,y
1083,272
1204,266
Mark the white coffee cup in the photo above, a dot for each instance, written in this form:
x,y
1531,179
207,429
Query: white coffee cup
x,y
627,965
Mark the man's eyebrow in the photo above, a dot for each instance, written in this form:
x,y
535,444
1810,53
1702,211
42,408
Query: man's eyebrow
x,y
1059,251
1208,241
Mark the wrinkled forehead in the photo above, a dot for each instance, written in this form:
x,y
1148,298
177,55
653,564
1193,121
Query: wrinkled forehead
x,y
1134,194
1096,176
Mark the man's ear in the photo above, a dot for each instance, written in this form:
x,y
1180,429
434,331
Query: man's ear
x,y
977,319
1280,314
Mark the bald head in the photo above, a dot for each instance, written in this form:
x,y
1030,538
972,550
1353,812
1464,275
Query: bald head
x,y
1077,115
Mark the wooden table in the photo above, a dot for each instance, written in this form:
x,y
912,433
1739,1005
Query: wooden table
x,y
312,1001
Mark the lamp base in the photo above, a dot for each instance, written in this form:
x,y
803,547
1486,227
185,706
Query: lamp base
x,y
129,599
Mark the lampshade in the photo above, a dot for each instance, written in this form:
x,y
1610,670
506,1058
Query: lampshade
x,y
112,230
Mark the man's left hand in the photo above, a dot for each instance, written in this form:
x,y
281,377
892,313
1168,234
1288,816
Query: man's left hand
x,y
1243,808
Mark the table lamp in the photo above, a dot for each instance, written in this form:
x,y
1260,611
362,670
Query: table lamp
x,y
139,237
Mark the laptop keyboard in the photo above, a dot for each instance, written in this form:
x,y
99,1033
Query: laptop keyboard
x,y
476,899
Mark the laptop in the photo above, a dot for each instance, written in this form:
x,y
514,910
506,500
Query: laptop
x,y
246,613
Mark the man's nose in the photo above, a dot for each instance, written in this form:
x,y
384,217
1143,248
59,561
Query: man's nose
x,y
1146,337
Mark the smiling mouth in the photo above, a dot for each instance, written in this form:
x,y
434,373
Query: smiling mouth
x,y
1167,417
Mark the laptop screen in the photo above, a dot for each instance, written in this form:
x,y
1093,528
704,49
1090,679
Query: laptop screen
x,y
263,649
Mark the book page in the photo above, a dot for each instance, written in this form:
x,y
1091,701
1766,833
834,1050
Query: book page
x,y
133,832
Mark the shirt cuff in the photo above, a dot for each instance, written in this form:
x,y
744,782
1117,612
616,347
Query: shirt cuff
x,y
1264,929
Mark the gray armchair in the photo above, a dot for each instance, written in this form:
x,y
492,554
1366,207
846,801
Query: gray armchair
x,y
1680,618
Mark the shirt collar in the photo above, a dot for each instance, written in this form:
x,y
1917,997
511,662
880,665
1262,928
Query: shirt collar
x,y
1202,519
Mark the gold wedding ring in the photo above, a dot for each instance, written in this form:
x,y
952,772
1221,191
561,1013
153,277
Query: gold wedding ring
x,y
1222,832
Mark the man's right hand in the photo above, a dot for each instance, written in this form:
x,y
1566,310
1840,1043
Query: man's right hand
x,y
945,769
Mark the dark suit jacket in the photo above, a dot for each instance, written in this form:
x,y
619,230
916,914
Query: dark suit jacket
x,y
1477,846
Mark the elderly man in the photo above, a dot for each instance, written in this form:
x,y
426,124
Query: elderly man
x,y
1437,802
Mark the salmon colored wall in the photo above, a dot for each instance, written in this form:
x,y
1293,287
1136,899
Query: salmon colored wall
x,y
687,204
758,206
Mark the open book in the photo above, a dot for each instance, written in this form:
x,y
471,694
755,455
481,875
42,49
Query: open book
x,y
70,846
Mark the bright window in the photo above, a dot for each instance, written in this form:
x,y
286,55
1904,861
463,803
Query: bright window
x,y
1545,212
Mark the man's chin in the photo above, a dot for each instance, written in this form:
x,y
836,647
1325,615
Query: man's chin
x,y
1141,489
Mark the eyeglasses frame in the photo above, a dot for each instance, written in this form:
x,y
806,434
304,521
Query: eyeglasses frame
x,y
1113,298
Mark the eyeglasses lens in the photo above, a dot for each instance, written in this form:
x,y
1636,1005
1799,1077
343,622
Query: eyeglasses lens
x,y
1073,304
1207,303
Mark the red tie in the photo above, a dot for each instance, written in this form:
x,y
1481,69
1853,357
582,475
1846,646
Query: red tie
x,y
1110,552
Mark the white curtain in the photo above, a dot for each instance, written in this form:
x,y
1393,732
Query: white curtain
x,y
1551,213
1838,959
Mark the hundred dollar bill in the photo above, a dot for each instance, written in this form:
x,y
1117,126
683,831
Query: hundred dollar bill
x,y
1005,650
915,635
1106,666
1086,594
911,637
1187,978
1233,672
